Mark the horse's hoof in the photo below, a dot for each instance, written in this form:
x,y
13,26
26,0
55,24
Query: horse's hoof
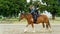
x,y
25,31
43,30
50,30
34,31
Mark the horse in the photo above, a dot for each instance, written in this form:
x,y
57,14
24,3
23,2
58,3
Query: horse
x,y
40,19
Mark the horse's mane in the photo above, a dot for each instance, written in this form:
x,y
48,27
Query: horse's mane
x,y
29,15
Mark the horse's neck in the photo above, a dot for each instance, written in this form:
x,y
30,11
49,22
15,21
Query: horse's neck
x,y
28,16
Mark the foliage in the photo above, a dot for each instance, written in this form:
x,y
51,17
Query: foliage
x,y
53,4
10,8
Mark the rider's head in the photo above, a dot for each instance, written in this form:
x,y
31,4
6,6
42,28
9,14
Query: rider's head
x,y
30,6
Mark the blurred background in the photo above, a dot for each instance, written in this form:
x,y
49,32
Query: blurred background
x,y
11,9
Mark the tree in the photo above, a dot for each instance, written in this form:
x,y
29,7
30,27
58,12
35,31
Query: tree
x,y
52,6
11,7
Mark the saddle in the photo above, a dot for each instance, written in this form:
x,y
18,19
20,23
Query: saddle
x,y
35,17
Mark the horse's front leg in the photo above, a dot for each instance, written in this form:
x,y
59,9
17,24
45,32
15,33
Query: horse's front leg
x,y
25,30
33,27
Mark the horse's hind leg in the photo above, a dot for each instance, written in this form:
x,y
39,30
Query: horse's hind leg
x,y
49,26
43,25
43,29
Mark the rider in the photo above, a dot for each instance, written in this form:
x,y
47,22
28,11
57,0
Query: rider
x,y
37,9
34,11
31,9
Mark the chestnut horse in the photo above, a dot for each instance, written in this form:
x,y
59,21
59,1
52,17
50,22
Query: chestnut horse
x,y
40,19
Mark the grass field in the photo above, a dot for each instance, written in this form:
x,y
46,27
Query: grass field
x,y
24,21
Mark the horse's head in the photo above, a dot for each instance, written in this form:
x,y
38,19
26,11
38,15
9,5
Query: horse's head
x,y
27,16
22,15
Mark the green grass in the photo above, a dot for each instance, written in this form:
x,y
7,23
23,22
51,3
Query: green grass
x,y
24,21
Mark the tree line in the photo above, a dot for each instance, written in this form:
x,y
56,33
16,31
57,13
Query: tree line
x,y
10,8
